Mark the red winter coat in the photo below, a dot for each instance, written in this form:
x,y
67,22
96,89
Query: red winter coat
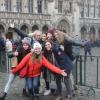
x,y
34,69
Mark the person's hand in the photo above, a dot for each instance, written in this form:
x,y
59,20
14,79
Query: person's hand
x,y
63,73
15,53
12,25
13,71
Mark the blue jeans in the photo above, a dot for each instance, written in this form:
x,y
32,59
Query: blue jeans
x,y
33,84
68,84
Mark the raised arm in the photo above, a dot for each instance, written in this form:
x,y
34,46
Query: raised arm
x,y
19,32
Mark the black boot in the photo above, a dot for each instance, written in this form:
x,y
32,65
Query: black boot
x,y
2,96
32,97
25,93
36,97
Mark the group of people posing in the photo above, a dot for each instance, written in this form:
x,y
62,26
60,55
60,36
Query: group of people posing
x,y
49,54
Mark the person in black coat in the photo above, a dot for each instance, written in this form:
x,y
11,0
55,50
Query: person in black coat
x,y
2,44
66,64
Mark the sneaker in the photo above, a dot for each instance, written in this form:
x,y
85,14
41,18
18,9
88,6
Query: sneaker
x,y
47,92
2,96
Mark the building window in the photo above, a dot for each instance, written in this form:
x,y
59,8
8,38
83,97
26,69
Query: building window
x,y
88,7
45,4
59,6
92,11
8,5
30,6
70,7
39,5
99,11
82,10
19,5
87,10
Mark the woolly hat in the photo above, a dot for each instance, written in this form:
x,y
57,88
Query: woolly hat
x,y
26,40
52,31
37,45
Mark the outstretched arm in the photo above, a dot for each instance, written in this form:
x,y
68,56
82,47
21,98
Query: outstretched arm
x,y
21,64
53,68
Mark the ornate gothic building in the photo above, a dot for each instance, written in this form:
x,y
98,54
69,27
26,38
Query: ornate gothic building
x,y
72,16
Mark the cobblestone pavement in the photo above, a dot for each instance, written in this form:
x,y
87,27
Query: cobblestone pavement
x,y
15,92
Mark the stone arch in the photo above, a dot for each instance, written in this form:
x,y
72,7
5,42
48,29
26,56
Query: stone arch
x,y
35,27
63,25
99,33
83,32
92,33
25,28
92,30
2,29
45,29
9,33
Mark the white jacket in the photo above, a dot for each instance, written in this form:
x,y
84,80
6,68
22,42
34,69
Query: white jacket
x,y
8,45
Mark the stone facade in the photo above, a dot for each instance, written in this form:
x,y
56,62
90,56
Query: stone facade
x,y
72,16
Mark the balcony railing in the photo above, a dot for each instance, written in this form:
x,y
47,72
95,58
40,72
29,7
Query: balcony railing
x,y
90,20
16,15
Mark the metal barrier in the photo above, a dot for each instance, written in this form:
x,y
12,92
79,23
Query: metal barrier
x,y
87,74
3,61
87,71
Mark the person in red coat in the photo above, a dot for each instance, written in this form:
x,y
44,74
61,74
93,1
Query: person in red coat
x,y
35,61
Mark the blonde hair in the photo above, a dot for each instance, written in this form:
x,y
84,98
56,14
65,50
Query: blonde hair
x,y
37,31
34,33
61,36
31,34
33,57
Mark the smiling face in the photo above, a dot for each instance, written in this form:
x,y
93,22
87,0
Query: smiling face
x,y
25,46
37,35
44,37
49,36
37,50
48,46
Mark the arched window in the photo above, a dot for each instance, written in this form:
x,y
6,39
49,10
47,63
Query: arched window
x,y
9,33
19,5
35,27
92,33
83,32
92,30
8,5
64,26
24,28
99,33
45,29
2,30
